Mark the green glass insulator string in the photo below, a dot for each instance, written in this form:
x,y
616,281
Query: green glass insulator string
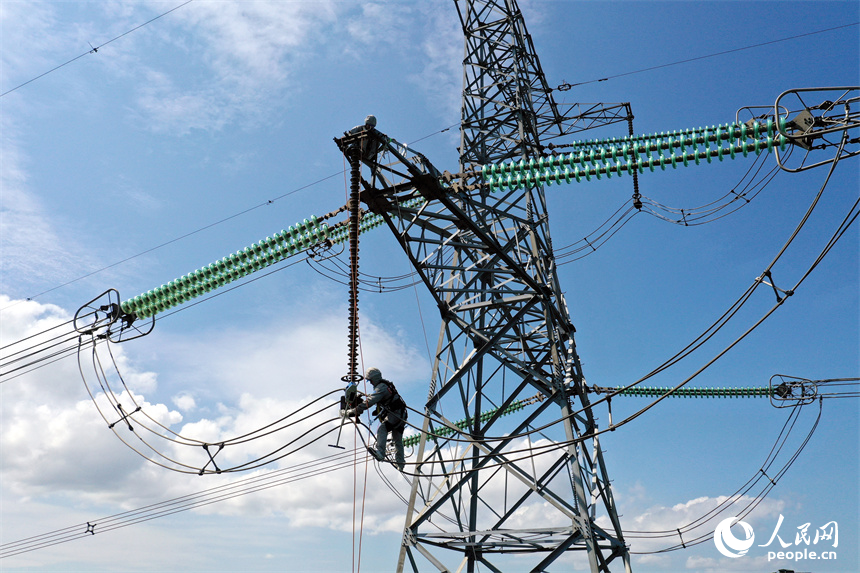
x,y
617,156
461,425
264,253
590,159
634,392
685,392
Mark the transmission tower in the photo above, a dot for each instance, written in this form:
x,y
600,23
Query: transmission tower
x,y
508,471
506,336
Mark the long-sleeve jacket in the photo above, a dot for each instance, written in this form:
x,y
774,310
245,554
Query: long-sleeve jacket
x,y
381,396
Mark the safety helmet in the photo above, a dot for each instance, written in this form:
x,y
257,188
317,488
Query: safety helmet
x,y
370,121
374,375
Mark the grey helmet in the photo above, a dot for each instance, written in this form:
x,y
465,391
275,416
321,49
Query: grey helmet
x,y
374,375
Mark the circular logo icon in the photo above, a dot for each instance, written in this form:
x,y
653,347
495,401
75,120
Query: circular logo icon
x,y
727,543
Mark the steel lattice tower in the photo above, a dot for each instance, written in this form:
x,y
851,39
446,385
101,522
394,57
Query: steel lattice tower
x,y
506,364
508,459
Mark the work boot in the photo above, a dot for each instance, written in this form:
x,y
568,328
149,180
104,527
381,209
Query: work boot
x,y
379,457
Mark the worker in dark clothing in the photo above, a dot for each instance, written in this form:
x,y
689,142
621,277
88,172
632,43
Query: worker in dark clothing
x,y
369,123
391,412
365,139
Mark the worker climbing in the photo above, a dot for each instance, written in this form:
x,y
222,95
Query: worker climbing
x,y
391,412
359,144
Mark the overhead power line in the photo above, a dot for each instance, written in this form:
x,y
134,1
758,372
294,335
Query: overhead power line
x,y
562,87
178,238
345,459
95,49
206,497
566,86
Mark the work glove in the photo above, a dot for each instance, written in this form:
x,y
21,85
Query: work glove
x,y
357,411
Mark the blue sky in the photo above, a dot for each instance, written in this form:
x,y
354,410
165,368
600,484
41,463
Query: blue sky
x,y
220,107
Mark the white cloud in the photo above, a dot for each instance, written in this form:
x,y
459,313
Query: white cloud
x,y
58,444
54,449
382,22
53,439
248,54
285,361
235,61
27,40
243,58
185,402
25,325
254,43
441,77
29,238
57,449
695,518
169,108
28,318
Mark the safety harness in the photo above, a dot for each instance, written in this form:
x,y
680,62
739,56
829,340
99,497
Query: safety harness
x,y
393,405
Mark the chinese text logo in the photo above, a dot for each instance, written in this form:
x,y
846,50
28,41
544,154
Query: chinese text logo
x,y
731,546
